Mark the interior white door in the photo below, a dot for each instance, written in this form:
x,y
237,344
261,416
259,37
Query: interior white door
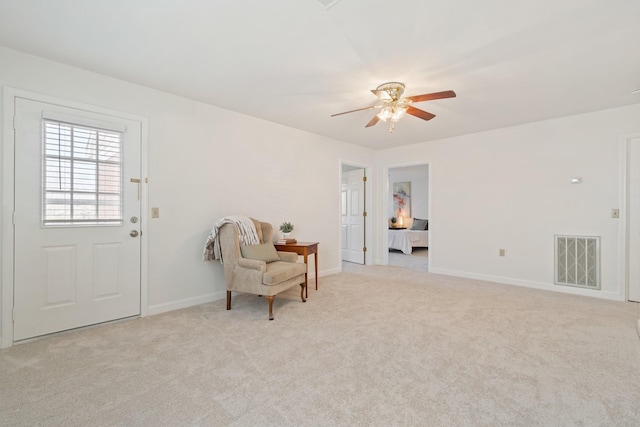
x,y
633,183
353,220
77,218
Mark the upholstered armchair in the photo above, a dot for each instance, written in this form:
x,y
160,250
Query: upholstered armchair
x,y
259,269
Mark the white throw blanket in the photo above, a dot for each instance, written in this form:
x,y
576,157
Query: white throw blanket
x,y
247,234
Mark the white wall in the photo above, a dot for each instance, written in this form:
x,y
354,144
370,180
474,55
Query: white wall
x,y
419,177
509,188
205,163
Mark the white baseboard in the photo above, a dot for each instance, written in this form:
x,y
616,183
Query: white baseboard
x,y
184,303
326,272
214,296
529,284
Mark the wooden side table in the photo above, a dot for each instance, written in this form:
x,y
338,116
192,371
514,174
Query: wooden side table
x,y
305,249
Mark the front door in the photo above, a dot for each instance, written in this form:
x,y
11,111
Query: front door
x,y
353,196
77,218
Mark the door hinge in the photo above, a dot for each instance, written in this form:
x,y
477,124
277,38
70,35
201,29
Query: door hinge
x,y
364,179
364,213
13,219
13,314
364,249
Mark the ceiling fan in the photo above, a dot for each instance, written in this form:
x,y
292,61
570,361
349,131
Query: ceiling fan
x,y
393,106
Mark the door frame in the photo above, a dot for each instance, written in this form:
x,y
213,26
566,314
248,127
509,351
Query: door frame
x,y
623,229
367,208
8,200
384,242
362,178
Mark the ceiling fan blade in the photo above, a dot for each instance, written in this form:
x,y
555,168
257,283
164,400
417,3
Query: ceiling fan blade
x,y
431,96
373,121
424,115
359,109
382,94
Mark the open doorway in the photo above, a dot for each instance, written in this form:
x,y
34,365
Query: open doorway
x,y
408,217
353,214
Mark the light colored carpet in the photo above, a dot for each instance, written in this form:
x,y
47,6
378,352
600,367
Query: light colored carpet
x,y
375,345
417,260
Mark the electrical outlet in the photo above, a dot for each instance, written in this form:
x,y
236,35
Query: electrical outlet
x,y
615,213
502,252
155,212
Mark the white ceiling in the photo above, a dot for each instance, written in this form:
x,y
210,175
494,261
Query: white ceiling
x,y
294,62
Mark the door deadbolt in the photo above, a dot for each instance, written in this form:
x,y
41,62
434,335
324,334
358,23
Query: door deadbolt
x,y
134,233
134,219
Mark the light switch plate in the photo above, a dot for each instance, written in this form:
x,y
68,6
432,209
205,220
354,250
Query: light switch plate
x,y
155,212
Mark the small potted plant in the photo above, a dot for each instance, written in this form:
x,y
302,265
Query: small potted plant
x,y
286,228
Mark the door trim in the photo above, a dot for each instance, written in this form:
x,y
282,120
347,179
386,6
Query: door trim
x,y
8,200
361,175
623,229
368,255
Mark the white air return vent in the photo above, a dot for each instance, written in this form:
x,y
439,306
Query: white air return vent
x,y
578,261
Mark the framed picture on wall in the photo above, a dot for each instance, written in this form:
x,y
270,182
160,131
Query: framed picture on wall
x,y
402,199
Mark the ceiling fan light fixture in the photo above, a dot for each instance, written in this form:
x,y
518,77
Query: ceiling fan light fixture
x,y
393,106
397,113
385,113
392,112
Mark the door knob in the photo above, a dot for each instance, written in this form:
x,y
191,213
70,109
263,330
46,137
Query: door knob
x,y
134,233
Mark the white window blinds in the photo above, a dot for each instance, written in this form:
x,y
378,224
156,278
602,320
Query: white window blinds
x,y
82,175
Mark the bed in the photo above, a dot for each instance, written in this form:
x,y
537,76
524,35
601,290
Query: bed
x,y
406,240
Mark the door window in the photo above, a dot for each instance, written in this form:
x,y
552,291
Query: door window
x,y
82,179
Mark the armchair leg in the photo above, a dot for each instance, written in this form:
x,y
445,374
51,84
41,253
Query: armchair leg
x,y
270,299
228,300
303,287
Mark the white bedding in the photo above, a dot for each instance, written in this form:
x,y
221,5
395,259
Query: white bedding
x,y
406,240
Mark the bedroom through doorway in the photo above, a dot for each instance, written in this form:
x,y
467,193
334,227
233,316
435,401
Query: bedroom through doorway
x,y
408,217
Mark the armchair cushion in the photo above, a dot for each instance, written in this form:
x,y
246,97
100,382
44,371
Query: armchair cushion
x,y
288,256
264,252
281,271
252,264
